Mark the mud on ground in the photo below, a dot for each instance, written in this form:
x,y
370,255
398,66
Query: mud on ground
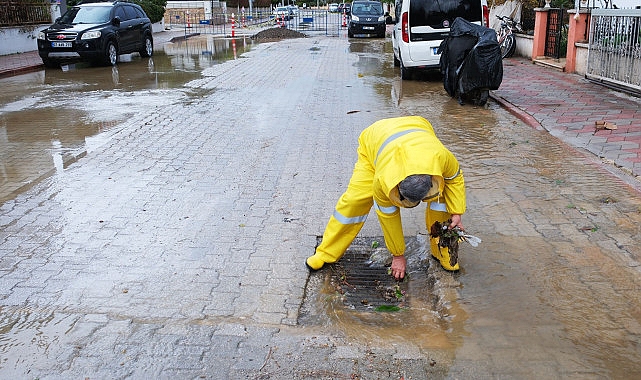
x,y
276,34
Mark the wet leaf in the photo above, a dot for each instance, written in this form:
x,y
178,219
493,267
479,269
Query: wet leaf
x,y
388,308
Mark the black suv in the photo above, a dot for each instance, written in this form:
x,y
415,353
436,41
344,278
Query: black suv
x,y
97,32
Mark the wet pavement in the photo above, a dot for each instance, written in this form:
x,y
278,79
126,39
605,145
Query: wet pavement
x,y
175,248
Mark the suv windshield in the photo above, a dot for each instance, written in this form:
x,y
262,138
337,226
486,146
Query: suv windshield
x,y
433,13
86,15
374,9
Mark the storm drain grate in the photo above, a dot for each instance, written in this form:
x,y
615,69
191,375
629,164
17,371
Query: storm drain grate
x,y
365,283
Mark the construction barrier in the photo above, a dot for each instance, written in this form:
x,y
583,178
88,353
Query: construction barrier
x,y
233,25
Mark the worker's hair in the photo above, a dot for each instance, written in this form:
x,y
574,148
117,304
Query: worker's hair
x,y
415,187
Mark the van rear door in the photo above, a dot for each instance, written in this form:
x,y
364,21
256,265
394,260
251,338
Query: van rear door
x,y
429,23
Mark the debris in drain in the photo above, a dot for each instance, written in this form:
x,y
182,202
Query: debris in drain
x,y
364,286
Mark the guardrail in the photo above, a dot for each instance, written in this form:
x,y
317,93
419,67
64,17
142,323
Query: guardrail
x,y
305,21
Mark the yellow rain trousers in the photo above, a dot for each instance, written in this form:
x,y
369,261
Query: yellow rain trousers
x,y
390,150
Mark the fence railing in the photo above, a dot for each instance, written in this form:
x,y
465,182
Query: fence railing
x,y
24,12
305,21
614,51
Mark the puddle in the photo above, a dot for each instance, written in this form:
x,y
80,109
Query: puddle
x,y
348,295
42,330
51,117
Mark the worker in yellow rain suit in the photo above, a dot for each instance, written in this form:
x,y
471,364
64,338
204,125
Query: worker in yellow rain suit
x,y
400,163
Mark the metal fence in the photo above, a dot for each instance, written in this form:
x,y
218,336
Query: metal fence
x,y
24,12
305,21
614,52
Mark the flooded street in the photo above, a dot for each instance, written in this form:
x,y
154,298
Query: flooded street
x,y
154,221
51,117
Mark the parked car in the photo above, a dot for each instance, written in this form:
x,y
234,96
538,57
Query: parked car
x,y
366,19
286,13
96,32
333,7
421,25
344,8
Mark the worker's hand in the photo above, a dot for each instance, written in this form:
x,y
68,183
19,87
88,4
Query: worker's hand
x,y
398,267
456,222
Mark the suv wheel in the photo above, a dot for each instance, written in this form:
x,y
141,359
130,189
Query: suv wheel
x,y
50,64
110,54
147,48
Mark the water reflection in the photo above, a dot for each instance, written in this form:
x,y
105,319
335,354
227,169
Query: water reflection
x,y
48,117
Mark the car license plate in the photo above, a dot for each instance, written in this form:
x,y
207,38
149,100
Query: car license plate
x,y
368,28
61,44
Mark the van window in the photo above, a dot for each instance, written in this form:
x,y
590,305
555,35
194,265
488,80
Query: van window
x,y
434,13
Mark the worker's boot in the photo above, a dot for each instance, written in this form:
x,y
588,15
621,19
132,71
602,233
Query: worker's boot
x,y
442,255
446,261
314,263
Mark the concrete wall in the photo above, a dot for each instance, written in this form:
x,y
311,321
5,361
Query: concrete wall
x,y
523,45
19,40
23,38
581,66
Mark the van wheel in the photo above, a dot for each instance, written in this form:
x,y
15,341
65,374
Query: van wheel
x,y
397,63
481,96
405,73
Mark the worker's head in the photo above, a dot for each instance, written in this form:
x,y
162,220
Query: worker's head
x,y
414,188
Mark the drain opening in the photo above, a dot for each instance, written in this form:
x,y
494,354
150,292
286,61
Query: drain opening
x,y
366,284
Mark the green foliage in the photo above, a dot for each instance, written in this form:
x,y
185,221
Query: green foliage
x,y
155,9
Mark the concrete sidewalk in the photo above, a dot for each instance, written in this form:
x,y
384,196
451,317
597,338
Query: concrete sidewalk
x,y
566,105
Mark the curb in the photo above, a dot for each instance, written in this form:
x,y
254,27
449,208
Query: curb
x,y
516,111
20,70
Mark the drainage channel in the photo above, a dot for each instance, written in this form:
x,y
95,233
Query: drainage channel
x,y
358,296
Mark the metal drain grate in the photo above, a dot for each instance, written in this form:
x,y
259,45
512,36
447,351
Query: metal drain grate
x,y
366,285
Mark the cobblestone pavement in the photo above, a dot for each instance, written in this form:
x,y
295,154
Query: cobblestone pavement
x,y
176,249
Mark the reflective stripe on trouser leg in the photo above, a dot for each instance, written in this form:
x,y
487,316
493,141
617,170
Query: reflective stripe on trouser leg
x,y
337,238
349,216
436,212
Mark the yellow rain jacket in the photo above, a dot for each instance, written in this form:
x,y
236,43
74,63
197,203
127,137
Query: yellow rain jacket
x,y
390,150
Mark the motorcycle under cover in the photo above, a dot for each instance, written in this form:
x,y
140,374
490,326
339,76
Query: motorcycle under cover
x,y
472,54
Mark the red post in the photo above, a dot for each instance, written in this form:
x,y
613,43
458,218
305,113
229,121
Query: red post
x,y
576,33
540,31
233,26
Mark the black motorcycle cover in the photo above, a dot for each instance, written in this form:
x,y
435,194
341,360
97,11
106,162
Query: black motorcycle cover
x,y
471,56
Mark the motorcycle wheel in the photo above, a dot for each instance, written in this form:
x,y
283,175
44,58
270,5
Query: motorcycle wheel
x,y
479,98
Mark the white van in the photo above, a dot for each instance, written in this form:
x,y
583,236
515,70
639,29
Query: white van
x,y
421,25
